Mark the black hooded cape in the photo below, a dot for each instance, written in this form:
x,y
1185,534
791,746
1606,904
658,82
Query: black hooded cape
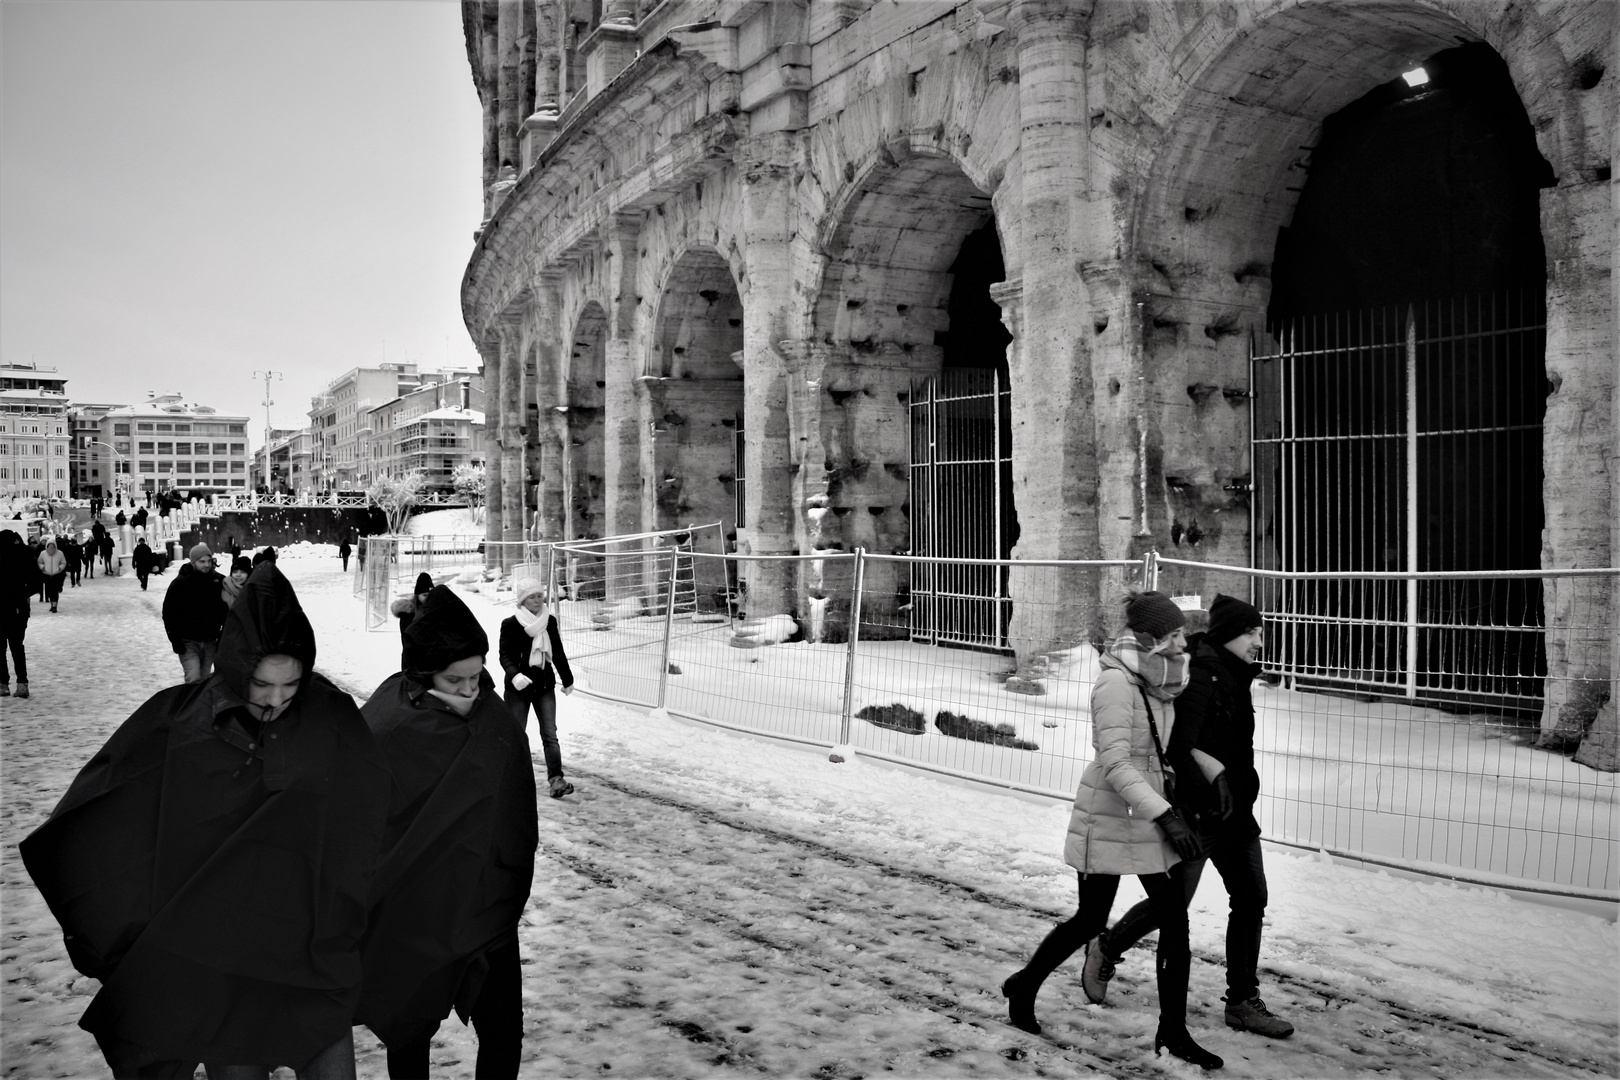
x,y
213,871
458,853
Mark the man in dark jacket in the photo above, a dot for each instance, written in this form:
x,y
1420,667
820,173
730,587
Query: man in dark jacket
x,y
211,864
194,612
458,851
1212,751
19,580
144,562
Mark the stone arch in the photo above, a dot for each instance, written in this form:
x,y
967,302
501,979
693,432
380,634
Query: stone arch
x,y
584,379
693,393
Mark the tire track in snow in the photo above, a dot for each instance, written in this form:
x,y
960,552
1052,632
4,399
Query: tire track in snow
x,y
869,911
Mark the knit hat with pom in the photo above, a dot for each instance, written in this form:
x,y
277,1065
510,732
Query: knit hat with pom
x,y
1153,613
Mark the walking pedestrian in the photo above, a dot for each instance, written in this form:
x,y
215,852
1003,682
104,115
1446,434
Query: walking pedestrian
x,y
53,567
343,552
405,608
211,864
143,560
1212,753
19,571
1123,824
194,614
232,585
69,547
461,811
120,519
532,657
107,545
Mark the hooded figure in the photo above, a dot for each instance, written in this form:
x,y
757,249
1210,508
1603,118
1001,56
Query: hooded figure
x,y
406,607
458,851
211,864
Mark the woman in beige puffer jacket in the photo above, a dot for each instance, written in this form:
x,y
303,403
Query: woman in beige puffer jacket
x,y
1122,823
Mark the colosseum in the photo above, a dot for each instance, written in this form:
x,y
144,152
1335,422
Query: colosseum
x,y
1320,285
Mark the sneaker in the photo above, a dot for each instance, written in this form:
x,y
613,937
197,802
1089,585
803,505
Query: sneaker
x,y
22,689
560,787
1097,971
1252,1015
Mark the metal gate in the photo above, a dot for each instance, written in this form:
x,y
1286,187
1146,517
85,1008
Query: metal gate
x,y
1404,439
961,507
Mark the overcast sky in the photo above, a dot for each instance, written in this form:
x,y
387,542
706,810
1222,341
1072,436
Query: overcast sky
x,y
190,191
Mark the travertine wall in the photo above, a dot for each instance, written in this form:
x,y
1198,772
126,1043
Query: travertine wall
x,y
816,168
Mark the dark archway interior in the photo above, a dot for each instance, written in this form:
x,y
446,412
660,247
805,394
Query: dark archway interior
x,y
976,338
587,378
1420,217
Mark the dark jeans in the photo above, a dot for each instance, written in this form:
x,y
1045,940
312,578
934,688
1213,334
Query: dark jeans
x,y
497,1016
546,714
1168,900
12,631
1238,861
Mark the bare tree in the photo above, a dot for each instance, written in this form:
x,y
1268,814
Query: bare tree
x,y
397,496
467,481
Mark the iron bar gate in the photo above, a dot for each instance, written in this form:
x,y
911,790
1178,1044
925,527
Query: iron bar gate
x,y
961,507
1405,439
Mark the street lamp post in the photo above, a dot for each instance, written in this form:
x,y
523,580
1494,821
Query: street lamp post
x,y
121,459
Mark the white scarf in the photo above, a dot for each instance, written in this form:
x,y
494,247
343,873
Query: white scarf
x,y
534,624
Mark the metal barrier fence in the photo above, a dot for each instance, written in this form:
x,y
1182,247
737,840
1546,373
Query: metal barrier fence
x,y
1458,787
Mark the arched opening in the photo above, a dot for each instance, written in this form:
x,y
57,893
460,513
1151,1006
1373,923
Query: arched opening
x,y
1404,426
694,390
584,508
916,409
1304,179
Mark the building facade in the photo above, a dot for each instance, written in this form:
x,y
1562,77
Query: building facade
x,y
167,443
396,444
34,433
341,421
751,247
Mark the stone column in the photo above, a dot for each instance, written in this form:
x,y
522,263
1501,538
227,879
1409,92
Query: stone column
x,y
1053,426
511,438
770,443
623,426
508,81
493,457
552,437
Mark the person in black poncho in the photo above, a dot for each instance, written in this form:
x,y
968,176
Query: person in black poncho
x,y
458,850
211,865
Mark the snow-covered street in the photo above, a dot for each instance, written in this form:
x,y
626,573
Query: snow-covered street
x,y
710,904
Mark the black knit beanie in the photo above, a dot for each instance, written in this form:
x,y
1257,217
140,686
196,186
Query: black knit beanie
x,y
1230,617
1153,613
424,583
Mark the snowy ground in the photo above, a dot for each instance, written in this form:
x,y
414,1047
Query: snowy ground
x,y
710,904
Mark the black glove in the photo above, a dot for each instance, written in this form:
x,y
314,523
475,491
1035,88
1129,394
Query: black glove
x,y
1223,794
1180,835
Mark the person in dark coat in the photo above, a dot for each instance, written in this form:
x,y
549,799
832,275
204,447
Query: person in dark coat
x,y
406,607
194,613
1212,751
143,560
211,864
19,578
106,545
458,850
231,587
532,657
343,552
70,548
92,548
119,519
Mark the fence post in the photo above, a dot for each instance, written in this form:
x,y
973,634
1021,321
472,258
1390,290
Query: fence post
x,y
854,640
669,624
1150,571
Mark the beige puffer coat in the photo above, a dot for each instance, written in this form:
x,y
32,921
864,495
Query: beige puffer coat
x,y
1111,830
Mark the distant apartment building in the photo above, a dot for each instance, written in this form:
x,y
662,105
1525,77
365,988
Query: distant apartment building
x,y
290,455
34,436
169,444
404,438
92,467
341,423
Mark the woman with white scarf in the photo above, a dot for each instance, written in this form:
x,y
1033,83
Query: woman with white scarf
x,y
1123,824
533,658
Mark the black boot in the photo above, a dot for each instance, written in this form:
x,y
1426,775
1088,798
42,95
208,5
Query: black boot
x,y
1180,1044
1020,997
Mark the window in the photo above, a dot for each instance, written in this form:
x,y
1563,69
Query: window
x,y
146,447
60,449
238,466
5,473
182,448
220,449
182,429
165,466
238,483
139,427
238,448
38,450
120,429
166,448
5,448
238,429
221,466
61,474
39,474
183,467
122,446
146,466
165,427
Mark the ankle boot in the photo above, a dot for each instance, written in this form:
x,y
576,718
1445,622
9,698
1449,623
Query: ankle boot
x,y
1181,1045
1021,1002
